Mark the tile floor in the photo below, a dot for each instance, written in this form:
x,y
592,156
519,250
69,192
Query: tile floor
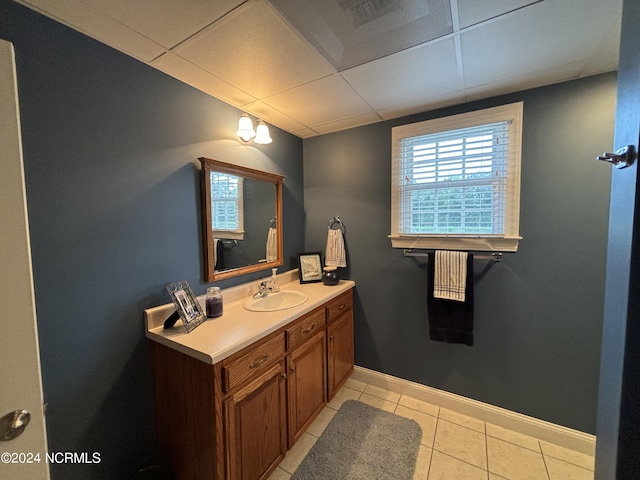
x,y
453,446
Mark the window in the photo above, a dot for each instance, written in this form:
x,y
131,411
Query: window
x,y
226,206
456,181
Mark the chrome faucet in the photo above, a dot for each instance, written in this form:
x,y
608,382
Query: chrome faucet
x,y
265,289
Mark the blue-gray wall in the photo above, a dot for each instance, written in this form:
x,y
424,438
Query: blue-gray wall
x,y
112,178
538,314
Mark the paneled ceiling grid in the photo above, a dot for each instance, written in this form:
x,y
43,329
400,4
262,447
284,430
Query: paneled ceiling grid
x,y
316,66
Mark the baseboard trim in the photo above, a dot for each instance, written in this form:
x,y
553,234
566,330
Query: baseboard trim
x,y
550,432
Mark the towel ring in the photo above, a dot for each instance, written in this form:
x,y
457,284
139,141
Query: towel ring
x,y
336,221
272,222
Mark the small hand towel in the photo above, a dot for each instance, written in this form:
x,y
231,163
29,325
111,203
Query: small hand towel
x,y
272,245
450,275
335,253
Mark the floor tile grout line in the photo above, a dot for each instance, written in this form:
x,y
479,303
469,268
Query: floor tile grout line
x,y
564,460
458,460
486,447
516,444
544,461
433,443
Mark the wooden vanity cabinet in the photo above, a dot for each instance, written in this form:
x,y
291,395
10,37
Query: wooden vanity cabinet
x,y
237,418
254,408
307,373
255,425
340,351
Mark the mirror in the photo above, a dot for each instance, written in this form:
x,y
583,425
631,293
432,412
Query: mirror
x,y
241,219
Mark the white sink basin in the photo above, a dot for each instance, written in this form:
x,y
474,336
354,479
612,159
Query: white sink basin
x,y
276,301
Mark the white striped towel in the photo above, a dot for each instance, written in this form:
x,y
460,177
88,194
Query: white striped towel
x,y
335,254
272,245
450,275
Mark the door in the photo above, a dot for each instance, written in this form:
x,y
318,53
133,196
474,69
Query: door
x,y
24,457
307,384
340,354
256,426
618,425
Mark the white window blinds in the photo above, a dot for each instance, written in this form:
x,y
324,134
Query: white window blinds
x,y
226,203
457,177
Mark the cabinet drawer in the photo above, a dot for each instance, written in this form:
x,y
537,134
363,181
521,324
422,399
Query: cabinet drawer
x,y
253,362
339,305
305,328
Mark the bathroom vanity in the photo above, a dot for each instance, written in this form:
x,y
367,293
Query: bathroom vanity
x,y
234,395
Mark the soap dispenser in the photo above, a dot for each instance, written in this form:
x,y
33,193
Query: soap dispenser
x,y
274,280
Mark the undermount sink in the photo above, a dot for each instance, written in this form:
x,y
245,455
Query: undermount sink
x,y
276,301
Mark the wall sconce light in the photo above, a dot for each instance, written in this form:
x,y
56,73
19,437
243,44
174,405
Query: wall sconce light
x,y
245,128
246,132
262,134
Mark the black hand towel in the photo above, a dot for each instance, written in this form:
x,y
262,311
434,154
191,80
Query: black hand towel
x,y
450,321
219,256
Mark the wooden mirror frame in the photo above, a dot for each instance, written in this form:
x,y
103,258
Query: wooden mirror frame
x,y
209,165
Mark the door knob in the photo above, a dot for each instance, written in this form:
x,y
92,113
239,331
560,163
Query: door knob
x,y
13,424
623,157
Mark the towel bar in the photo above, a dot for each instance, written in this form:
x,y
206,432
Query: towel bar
x,y
495,256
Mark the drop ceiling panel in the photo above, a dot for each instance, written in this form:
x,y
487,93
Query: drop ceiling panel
x,y
254,50
408,78
330,98
91,22
261,110
193,75
351,122
166,22
471,12
305,133
451,98
549,34
605,57
353,32
559,73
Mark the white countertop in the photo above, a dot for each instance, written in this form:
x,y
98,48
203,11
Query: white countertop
x,y
217,338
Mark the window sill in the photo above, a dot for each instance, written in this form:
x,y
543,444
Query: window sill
x,y
444,242
228,235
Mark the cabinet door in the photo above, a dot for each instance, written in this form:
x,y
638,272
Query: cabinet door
x,y
340,352
255,426
307,380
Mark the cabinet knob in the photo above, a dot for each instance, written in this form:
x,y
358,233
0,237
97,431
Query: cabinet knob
x,y
331,337
292,369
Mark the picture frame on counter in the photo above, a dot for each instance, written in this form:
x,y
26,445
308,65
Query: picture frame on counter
x,y
187,305
310,267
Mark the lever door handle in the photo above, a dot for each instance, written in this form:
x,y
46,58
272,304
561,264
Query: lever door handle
x,y
623,157
13,424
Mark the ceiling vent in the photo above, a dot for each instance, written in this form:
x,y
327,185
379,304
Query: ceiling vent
x,y
365,11
353,32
